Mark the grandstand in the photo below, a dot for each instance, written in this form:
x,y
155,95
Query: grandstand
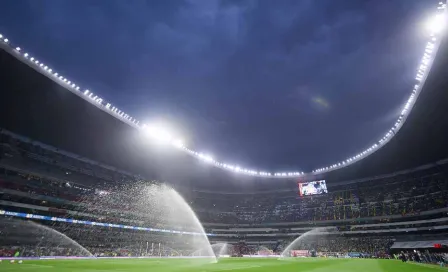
x,y
59,171
407,206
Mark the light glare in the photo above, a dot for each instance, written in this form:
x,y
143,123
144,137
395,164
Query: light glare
x,y
436,24
158,133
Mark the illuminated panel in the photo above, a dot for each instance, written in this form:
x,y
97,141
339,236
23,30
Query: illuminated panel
x,y
317,187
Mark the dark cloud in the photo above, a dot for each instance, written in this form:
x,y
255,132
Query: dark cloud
x,y
278,84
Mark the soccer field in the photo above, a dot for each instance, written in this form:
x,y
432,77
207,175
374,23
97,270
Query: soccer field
x,y
240,265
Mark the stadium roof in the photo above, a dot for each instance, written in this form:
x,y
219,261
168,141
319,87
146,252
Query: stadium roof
x,y
303,137
41,109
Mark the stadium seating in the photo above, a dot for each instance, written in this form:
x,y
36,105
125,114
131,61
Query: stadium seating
x,y
369,214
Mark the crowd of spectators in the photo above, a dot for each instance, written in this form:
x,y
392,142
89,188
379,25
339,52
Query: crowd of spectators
x,y
332,247
33,251
401,194
36,179
423,256
368,246
43,172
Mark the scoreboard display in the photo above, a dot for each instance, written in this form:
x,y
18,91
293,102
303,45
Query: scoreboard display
x,y
317,187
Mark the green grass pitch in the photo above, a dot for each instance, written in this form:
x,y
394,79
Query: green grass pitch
x,y
230,264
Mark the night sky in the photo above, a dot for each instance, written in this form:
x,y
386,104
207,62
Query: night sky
x,y
272,85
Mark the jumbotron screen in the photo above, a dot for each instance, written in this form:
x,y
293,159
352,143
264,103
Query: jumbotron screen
x,y
317,187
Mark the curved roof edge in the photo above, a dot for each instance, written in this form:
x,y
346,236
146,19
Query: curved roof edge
x,y
330,185
429,55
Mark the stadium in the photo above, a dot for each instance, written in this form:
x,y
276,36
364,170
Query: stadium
x,y
85,186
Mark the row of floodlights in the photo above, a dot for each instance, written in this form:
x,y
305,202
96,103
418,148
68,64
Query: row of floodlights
x,y
73,87
156,132
160,134
422,70
435,26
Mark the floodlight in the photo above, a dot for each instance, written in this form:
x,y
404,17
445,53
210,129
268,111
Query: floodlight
x,y
158,133
436,24
178,143
6,40
206,158
18,48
